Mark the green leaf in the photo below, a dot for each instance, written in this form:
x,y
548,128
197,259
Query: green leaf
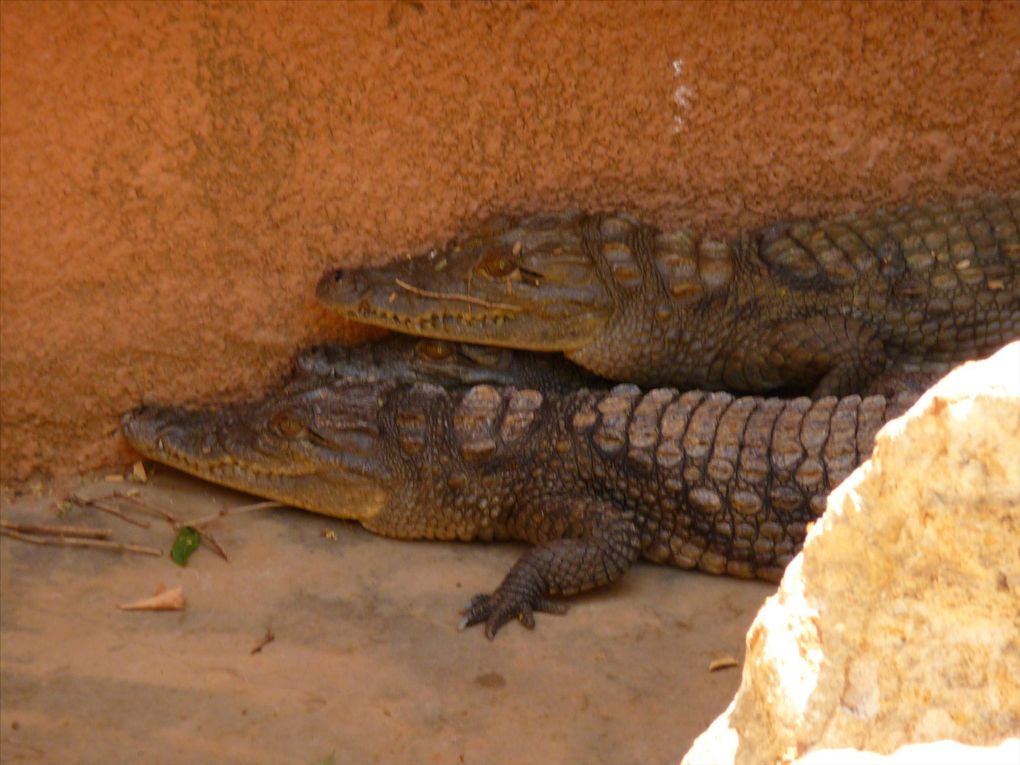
x,y
188,540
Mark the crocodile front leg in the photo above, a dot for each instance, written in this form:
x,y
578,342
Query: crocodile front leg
x,y
827,355
582,543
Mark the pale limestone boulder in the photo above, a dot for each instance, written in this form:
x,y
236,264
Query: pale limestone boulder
x,y
899,623
935,753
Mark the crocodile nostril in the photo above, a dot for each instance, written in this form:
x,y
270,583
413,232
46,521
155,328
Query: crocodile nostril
x,y
341,285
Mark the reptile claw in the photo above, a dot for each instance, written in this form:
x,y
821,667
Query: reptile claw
x,y
500,607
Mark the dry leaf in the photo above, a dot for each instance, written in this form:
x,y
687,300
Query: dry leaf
x,y
329,534
138,472
113,478
723,663
162,600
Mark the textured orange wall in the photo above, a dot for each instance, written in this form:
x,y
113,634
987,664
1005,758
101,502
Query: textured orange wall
x,y
175,178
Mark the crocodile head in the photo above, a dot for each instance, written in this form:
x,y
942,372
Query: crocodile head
x,y
318,448
406,359
529,284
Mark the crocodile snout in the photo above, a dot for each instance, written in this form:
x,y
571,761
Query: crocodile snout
x,y
156,430
138,425
341,286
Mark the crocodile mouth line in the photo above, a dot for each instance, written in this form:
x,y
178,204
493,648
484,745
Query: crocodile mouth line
x,y
470,299
222,466
435,320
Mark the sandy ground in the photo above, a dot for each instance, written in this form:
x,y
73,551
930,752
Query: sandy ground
x,y
366,665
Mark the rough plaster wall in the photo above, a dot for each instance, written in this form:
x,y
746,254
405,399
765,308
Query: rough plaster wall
x,y
175,178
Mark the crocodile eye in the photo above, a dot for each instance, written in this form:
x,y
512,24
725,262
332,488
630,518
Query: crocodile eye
x,y
487,356
435,350
498,265
287,424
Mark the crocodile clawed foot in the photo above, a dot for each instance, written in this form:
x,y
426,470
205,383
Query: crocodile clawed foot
x,y
505,604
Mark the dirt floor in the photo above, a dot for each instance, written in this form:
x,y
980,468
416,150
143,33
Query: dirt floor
x,y
366,666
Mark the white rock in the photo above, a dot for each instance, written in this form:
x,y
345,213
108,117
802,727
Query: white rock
x,y
935,753
899,623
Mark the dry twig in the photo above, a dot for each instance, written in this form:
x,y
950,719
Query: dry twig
x,y
99,544
216,546
173,520
97,504
268,638
82,532
233,511
151,509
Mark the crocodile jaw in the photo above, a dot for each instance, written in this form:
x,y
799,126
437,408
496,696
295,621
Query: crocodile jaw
x,y
211,445
408,297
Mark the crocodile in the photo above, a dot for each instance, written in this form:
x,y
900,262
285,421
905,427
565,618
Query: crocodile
x,y
823,307
593,479
402,358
